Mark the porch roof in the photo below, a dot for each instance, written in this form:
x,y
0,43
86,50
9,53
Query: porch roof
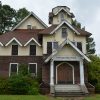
x,y
67,41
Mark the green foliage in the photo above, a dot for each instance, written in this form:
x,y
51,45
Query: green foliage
x,y
76,24
90,45
9,17
94,71
21,84
21,14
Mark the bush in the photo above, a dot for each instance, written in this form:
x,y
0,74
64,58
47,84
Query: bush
x,y
94,72
20,84
4,86
23,85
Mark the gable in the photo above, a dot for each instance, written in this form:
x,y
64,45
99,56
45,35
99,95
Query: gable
x,y
68,51
31,21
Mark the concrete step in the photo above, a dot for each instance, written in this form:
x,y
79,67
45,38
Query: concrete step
x,y
67,88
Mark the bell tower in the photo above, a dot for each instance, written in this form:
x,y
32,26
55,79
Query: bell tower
x,y
59,14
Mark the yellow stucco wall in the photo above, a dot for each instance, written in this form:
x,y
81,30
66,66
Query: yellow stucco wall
x,y
68,51
57,36
22,51
31,21
57,18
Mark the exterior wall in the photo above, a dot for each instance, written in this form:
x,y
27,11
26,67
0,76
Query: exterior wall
x,y
22,51
67,51
46,72
57,18
6,60
31,21
57,36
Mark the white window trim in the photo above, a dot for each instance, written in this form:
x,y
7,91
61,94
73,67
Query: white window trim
x,y
12,41
10,68
36,67
1,44
34,41
29,25
72,71
11,50
29,50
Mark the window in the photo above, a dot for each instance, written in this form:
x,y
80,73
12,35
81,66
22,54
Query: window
x,y
32,50
32,69
62,16
29,27
49,47
55,45
13,69
79,46
14,49
64,32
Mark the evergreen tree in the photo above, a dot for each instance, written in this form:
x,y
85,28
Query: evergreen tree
x,y
9,17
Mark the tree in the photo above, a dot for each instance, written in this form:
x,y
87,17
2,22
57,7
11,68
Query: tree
x,y
94,71
6,17
89,40
90,45
9,17
21,14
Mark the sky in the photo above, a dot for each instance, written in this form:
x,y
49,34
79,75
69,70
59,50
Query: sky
x,y
86,11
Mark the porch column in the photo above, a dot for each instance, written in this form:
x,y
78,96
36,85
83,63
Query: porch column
x,y
52,76
81,73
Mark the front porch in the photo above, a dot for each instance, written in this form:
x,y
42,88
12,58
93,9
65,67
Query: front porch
x,y
67,75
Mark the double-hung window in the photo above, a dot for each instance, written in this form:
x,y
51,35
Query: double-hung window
x,y
64,33
14,49
13,69
32,68
32,50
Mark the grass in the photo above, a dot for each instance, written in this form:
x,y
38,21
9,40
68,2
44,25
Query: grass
x,y
40,97
94,97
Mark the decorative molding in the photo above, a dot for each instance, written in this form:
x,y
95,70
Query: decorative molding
x,y
12,41
33,14
1,44
34,41
68,24
63,58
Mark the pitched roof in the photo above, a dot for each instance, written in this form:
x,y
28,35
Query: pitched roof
x,y
22,35
49,29
53,27
30,14
67,41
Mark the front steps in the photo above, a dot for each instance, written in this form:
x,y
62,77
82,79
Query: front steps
x,y
70,90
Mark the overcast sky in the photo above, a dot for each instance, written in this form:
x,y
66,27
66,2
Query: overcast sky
x,y
86,11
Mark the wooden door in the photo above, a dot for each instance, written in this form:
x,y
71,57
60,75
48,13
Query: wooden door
x,y
64,74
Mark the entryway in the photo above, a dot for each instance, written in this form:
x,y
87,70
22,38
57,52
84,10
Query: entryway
x,y
64,73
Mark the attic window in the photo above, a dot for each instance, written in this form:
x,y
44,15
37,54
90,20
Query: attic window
x,y
62,16
29,27
64,32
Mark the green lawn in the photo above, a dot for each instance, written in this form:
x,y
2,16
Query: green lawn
x,y
40,97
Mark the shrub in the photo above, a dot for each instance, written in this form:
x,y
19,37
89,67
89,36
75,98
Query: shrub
x,y
3,86
20,84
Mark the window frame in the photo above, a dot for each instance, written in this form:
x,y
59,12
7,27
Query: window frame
x,y
53,48
63,32
12,49
30,27
30,50
35,66
10,68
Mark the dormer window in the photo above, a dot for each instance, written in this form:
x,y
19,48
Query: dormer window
x,y
64,32
29,26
